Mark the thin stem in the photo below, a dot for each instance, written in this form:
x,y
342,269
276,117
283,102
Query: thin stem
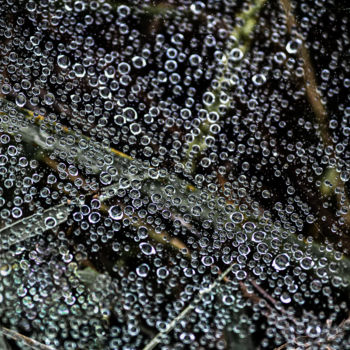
x,y
312,92
240,33
314,97
162,237
26,340
156,340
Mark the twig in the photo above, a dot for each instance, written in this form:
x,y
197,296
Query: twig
x,y
312,92
314,97
22,338
282,346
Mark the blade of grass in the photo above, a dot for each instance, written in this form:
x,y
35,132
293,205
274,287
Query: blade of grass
x,y
162,237
241,34
32,133
157,185
33,225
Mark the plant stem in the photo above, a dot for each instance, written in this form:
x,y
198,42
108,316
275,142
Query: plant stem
x,y
156,340
240,34
314,97
26,340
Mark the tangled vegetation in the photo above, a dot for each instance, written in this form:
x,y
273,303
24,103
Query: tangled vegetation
x,y
174,174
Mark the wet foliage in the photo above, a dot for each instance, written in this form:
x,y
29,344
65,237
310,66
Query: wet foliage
x,y
174,174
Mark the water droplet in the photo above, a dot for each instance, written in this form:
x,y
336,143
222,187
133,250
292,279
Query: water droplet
x,y
281,262
116,212
147,248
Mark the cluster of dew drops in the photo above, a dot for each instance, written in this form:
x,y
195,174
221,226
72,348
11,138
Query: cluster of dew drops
x,y
163,174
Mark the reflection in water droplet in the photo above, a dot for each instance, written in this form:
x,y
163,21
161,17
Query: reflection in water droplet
x,y
147,248
281,262
116,212
50,222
